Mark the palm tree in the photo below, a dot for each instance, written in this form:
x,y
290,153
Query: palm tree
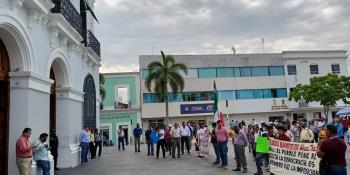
x,y
102,89
162,74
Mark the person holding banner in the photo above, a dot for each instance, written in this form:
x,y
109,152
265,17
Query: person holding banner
x,y
332,152
203,141
240,142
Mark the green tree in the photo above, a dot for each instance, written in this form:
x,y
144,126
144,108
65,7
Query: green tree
x,y
326,90
102,89
164,73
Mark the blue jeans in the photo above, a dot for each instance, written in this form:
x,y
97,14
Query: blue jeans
x,y
84,152
222,148
336,170
150,148
44,165
259,159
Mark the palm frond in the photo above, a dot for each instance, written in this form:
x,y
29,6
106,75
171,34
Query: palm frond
x,y
180,66
155,65
152,76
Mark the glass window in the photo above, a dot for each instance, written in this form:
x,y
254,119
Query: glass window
x,y
313,69
267,93
245,94
191,73
246,71
227,95
274,93
292,69
195,96
206,96
225,72
206,72
147,98
144,73
335,69
258,93
282,93
236,72
186,96
276,70
260,71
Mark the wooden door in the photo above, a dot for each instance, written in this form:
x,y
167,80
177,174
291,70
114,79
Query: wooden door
x,y
4,107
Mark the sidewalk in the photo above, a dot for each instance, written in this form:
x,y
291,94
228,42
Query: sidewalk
x,y
128,162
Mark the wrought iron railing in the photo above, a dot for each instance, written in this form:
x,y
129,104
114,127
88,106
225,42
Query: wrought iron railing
x,y
66,8
93,43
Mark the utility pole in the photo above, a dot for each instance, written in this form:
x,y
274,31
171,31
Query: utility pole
x,y
233,49
263,47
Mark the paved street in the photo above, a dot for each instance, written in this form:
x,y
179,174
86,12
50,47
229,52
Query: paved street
x,y
127,162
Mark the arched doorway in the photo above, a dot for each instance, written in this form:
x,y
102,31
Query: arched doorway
x,y
4,107
89,113
53,101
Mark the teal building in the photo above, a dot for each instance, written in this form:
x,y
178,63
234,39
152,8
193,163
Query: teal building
x,y
121,106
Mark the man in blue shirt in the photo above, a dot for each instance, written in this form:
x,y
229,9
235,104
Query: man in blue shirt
x,y
84,139
41,154
137,135
340,129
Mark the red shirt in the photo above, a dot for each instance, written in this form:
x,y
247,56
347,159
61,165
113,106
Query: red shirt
x,y
23,147
334,149
284,137
345,123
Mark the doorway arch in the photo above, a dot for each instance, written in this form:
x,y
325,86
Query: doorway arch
x,y
4,107
89,108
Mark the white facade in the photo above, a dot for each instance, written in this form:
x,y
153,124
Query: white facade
x,y
37,40
261,109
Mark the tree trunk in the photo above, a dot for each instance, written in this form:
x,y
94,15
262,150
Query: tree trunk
x,y
326,111
166,106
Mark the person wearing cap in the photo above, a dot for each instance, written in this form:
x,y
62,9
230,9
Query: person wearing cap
x,y
54,147
306,135
240,142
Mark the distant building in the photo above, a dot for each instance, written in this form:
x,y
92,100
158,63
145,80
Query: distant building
x,y
251,86
121,107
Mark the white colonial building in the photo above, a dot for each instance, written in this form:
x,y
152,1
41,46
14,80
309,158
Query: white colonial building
x,y
49,64
250,86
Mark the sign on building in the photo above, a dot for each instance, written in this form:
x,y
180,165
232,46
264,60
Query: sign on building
x,y
197,108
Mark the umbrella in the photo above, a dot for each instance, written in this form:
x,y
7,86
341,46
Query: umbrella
x,y
345,111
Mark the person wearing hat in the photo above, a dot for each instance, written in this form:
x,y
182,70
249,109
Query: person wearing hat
x,y
54,146
306,135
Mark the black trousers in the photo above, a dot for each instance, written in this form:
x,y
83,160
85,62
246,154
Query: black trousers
x,y
92,150
161,144
121,141
185,141
54,153
99,146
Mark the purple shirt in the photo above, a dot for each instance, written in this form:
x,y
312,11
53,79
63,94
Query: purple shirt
x,y
241,139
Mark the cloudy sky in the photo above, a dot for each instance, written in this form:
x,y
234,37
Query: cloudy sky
x,y
129,28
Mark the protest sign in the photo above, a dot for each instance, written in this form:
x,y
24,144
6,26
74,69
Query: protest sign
x,y
262,145
293,158
203,136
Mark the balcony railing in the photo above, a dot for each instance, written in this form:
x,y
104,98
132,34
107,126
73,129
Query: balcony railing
x,y
93,43
66,8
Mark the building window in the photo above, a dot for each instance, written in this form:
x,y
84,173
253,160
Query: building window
x,y
227,95
156,123
276,70
313,69
144,74
258,93
260,71
122,98
292,69
206,72
246,71
335,69
274,118
89,108
225,72
245,94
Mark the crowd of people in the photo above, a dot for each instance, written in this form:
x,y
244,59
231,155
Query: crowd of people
x,y
177,140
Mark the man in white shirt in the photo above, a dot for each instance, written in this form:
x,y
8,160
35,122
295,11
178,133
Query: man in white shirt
x,y
185,138
175,132
121,135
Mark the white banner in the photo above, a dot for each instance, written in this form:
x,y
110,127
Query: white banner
x,y
293,158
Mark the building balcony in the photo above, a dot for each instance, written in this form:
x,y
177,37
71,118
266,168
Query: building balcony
x,y
68,11
92,42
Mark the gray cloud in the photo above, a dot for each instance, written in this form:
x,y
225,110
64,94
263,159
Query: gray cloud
x,y
129,28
